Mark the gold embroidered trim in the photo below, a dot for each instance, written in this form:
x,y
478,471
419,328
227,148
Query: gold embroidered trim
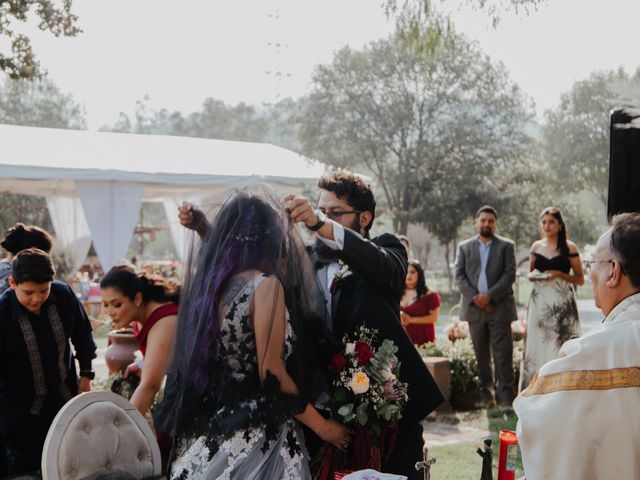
x,y
36,364
61,344
628,377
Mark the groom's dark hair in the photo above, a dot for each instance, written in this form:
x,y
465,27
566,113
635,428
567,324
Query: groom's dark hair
x,y
352,188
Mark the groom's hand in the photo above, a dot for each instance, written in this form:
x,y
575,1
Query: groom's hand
x,y
193,218
300,210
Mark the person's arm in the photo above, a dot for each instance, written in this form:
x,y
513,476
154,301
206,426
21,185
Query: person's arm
x,y
81,338
504,284
432,317
532,257
156,361
193,218
461,275
383,265
269,323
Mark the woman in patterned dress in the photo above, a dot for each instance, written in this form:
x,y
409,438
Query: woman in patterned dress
x,y
552,315
238,383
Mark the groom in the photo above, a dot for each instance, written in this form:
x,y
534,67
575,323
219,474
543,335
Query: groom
x,y
369,295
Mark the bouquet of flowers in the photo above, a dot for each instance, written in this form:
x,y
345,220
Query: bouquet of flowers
x,y
366,395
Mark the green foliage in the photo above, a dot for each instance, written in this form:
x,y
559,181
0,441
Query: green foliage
x,y
54,16
241,122
24,208
576,133
39,103
464,367
419,22
432,129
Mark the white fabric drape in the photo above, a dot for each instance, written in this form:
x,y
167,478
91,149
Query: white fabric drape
x,y
112,210
71,228
178,232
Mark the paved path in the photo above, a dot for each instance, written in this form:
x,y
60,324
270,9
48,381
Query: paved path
x,y
437,434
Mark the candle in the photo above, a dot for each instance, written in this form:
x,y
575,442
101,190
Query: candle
x,y
508,455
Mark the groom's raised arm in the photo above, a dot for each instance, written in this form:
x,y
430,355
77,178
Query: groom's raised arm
x,y
382,263
193,218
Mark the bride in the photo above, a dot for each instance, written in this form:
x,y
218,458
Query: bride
x,y
237,383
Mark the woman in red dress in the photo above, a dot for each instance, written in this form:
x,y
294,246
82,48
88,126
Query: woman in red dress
x,y
419,306
129,297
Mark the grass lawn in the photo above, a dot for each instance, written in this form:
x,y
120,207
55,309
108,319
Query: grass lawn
x,y
460,461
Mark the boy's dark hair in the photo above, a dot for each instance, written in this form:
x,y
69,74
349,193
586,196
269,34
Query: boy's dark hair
x,y
625,244
352,188
22,236
487,209
32,265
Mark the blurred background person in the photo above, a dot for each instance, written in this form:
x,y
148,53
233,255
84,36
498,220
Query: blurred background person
x,y
419,306
552,315
406,243
16,239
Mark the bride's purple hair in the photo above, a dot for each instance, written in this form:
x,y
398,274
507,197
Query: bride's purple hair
x,y
247,234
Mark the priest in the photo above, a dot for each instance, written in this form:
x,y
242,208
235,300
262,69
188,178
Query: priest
x,y
579,417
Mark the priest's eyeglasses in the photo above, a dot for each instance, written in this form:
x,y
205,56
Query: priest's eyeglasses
x,y
588,264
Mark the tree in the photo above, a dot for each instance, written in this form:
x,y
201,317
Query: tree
x,y
216,120
576,133
419,21
430,130
39,103
54,16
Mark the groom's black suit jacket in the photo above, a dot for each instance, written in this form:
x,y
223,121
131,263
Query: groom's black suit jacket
x,y
370,296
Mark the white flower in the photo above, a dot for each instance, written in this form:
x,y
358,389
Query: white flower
x,y
359,383
350,348
388,375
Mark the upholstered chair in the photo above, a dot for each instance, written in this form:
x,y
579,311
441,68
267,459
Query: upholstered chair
x,y
99,432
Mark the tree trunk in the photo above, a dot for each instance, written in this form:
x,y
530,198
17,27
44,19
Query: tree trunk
x,y
447,263
403,227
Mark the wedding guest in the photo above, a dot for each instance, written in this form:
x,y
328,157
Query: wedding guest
x,y
419,306
152,303
39,320
17,238
552,314
485,271
578,418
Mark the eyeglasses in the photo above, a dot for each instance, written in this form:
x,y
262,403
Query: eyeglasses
x,y
337,215
588,264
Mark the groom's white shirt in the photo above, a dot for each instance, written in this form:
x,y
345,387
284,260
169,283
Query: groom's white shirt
x,y
327,273
580,416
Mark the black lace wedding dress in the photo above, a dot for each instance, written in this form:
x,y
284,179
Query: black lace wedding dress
x,y
246,430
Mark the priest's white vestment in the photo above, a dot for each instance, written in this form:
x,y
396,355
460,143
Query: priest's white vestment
x,y
580,416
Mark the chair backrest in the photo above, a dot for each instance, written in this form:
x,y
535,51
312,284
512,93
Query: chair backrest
x,y
99,431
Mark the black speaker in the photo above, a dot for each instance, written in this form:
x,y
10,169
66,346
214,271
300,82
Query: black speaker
x,y
624,162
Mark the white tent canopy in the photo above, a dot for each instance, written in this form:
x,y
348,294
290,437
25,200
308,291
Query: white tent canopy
x,y
95,181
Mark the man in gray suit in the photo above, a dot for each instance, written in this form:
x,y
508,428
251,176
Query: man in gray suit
x,y
485,271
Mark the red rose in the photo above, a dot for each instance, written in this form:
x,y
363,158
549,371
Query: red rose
x,y
363,353
337,362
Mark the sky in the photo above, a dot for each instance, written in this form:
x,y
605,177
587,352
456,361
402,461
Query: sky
x,y
179,53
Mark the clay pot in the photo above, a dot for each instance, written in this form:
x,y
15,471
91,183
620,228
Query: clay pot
x,y
121,350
